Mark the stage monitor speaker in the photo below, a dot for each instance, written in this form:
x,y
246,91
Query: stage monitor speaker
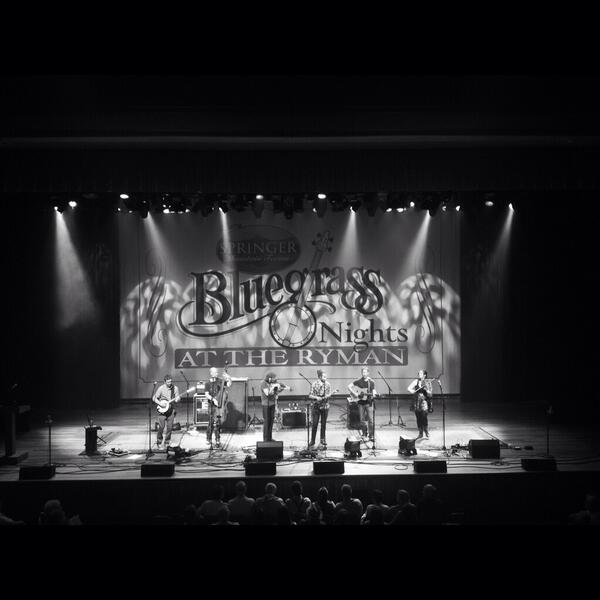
x,y
37,472
293,418
235,408
539,464
484,448
430,466
260,468
158,469
328,467
269,450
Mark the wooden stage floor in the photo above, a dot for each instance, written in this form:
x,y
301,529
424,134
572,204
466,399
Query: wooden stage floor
x,y
521,430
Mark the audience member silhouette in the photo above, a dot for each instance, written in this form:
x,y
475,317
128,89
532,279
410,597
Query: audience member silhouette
x,y
297,504
404,512
352,505
266,508
377,503
209,509
241,507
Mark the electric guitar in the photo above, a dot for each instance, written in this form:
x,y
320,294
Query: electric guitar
x,y
163,406
360,396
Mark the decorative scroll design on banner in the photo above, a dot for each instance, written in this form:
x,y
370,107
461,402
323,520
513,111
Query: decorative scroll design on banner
x,y
156,338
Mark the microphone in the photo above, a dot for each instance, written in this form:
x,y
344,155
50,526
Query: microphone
x,y
155,382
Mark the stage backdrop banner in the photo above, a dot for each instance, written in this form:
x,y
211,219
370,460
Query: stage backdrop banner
x,y
290,296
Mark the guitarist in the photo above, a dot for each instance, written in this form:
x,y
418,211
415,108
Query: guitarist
x,y
214,387
368,392
320,392
423,392
164,393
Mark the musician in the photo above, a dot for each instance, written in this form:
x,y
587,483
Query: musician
x,y
421,388
367,386
215,387
166,392
269,390
320,392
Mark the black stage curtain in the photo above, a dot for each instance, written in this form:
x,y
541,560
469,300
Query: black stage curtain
x,y
269,171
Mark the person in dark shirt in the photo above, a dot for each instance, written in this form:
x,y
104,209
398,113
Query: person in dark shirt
x,y
165,396
422,390
365,400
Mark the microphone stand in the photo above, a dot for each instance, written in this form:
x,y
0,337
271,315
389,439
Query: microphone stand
x,y
400,420
149,453
255,420
443,414
49,423
187,403
373,450
308,452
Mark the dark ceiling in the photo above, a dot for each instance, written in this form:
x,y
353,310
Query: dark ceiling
x,y
209,110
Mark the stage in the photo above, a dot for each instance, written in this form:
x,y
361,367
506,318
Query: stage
x,y
474,488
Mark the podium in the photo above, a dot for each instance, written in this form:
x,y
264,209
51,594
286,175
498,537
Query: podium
x,y
91,439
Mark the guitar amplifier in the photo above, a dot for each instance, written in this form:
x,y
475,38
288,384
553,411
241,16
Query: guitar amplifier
x,y
201,410
293,418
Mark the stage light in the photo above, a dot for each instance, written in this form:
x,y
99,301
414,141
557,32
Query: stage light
x,y
320,205
489,198
510,205
457,208
124,196
72,203
166,211
258,205
59,203
431,203
412,204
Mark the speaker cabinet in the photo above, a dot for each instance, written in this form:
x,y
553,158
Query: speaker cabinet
x,y
234,415
293,418
430,466
158,469
269,450
484,448
37,472
260,468
328,467
539,464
